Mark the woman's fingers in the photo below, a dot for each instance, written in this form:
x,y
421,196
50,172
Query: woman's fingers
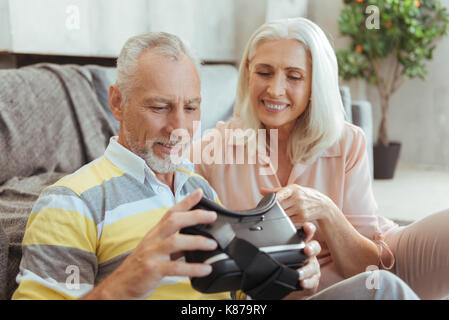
x,y
310,269
311,283
312,248
264,191
282,193
309,229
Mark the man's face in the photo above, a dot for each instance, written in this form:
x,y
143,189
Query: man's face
x,y
165,97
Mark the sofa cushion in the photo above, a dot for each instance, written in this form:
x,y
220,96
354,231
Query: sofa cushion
x,y
4,243
17,197
50,120
218,92
102,79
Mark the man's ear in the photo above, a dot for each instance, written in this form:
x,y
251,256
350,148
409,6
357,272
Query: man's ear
x,y
116,102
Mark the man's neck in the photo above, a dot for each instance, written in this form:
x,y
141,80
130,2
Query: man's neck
x,y
168,179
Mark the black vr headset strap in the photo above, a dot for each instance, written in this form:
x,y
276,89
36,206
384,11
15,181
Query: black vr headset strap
x,y
263,277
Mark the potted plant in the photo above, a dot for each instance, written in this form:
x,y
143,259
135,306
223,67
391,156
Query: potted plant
x,y
390,41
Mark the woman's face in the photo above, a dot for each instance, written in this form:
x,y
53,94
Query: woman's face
x,y
280,82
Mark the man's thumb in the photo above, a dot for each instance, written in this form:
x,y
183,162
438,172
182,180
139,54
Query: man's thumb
x,y
188,202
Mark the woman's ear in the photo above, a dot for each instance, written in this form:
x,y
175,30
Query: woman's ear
x,y
116,102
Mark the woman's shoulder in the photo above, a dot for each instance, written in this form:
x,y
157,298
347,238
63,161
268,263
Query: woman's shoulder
x,y
353,139
350,139
352,133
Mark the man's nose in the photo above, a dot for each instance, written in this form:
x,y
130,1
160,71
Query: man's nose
x,y
176,120
276,86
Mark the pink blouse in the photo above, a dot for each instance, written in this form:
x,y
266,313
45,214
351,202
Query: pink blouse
x,y
341,172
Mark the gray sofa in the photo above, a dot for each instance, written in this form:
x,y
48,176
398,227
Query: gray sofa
x,y
54,119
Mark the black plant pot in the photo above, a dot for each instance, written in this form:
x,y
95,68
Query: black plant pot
x,y
385,160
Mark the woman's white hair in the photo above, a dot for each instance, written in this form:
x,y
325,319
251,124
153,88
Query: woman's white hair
x,y
321,124
165,43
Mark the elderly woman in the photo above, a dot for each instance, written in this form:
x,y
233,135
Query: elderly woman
x,y
318,165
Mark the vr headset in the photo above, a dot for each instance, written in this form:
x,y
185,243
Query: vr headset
x,y
258,250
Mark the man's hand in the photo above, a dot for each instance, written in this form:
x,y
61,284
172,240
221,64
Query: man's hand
x,y
309,274
153,258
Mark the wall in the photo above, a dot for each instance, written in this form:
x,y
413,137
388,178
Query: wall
x,y
216,29
207,25
419,115
69,27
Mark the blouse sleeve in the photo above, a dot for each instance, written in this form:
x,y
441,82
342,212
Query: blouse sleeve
x,y
359,204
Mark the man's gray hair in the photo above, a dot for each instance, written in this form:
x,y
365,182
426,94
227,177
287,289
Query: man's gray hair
x,y
165,43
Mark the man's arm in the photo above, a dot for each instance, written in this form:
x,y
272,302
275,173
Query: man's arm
x,y
141,271
58,256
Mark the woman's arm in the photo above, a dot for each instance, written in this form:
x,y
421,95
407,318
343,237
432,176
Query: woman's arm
x,y
351,251
349,227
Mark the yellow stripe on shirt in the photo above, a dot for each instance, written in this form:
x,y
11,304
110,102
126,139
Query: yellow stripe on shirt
x,y
125,234
33,290
184,291
192,174
61,228
90,176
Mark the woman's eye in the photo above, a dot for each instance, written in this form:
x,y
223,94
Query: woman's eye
x,y
295,78
263,74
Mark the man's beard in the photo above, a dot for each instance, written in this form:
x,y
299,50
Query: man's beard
x,y
169,163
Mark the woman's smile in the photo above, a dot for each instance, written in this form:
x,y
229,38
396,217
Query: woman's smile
x,y
274,106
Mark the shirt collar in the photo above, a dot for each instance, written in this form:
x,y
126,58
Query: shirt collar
x,y
132,164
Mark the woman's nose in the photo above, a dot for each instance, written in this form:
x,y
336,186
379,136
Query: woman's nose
x,y
276,86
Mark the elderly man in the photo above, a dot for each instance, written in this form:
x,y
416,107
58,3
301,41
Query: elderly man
x,y
110,230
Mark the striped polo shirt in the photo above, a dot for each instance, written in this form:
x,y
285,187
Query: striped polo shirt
x,y
82,227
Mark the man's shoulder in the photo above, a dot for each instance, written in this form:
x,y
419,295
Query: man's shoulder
x,y
90,175
191,173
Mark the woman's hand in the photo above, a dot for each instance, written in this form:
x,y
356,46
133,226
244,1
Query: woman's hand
x,y
303,204
309,274
351,251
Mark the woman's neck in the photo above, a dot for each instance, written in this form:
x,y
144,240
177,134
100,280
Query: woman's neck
x,y
284,164
283,135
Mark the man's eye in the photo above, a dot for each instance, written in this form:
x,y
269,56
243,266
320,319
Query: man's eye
x,y
158,108
295,78
190,108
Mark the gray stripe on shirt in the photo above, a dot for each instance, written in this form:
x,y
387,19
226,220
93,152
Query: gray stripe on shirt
x,y
106,268
113,193
195,182
50,261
